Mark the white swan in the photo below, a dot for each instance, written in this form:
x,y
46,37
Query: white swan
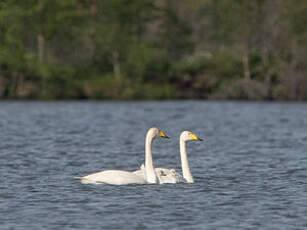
x,y
120,177
166,175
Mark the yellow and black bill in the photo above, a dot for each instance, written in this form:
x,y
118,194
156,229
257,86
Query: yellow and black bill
x,y
163,135
195,138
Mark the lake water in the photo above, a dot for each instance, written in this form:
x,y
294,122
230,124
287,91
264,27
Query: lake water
x,y
250,171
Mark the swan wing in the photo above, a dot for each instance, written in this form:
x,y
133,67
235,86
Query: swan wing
x,y
114,177
140,172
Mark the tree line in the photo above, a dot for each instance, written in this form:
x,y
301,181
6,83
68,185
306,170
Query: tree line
x,y
146,49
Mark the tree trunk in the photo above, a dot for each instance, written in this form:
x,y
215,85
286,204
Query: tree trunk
x,y
267,71
41,47
116,64
246,69
293,76
40,36
94,7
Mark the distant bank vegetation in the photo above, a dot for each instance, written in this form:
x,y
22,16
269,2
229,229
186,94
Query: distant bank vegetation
x,y
146,49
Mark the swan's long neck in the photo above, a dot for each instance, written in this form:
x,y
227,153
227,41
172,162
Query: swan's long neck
x,y
186,172
149,169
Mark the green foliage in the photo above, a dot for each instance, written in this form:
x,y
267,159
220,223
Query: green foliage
x,y
146,49
137,61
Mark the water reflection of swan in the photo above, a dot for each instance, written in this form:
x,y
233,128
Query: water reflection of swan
x,y
166,175
120,177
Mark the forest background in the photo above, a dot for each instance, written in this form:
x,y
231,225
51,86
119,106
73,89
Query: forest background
x,y
153,50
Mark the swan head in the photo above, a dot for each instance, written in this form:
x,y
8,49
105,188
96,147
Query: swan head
x,y
155,132
189,136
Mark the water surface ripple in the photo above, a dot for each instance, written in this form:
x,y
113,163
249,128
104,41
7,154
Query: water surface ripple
x,y
250,172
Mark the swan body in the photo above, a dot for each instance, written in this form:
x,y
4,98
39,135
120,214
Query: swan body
x,y
166,175
114,177
120,177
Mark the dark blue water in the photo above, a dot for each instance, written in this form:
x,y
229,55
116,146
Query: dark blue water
x,y
250,172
